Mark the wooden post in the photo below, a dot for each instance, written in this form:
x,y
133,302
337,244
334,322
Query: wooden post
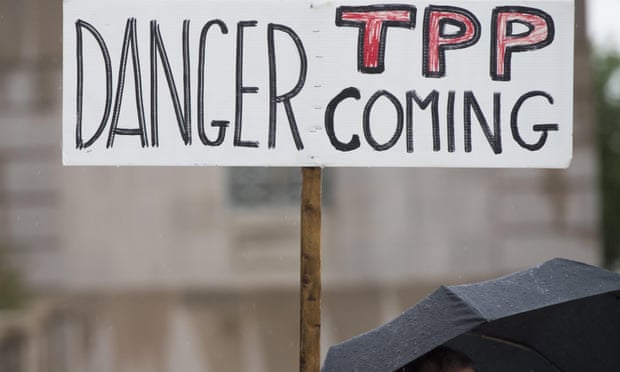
x,y
310,299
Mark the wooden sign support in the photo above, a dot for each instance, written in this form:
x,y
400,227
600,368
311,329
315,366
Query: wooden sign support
x,y
310,278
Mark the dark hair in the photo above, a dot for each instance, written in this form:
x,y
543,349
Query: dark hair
x,y
440,359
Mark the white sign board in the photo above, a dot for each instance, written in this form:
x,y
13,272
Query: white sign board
x,y
318,83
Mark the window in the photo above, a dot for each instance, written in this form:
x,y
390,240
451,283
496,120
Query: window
x,y
269,187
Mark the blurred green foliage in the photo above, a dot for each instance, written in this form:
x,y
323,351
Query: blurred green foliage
x,y
607,84
12,294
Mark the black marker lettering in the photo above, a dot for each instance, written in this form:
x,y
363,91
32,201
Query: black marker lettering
x,y
544,128
399,121
79,141
495,138
350,92
450,117
183,118
285,98
433,100
130,38
221,124
240,90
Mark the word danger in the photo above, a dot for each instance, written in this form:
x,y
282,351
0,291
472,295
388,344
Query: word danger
x,y
445,31
182,111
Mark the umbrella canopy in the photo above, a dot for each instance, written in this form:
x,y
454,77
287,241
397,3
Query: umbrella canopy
x,y
560,316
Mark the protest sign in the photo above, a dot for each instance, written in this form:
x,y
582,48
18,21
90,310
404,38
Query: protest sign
x,y
314,83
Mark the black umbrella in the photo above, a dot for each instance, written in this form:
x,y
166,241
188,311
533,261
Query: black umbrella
x,y
560,316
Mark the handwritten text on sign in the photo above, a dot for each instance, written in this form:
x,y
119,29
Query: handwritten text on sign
x,y
454,83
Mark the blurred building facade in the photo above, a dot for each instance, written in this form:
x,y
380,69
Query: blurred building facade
x,y
197,269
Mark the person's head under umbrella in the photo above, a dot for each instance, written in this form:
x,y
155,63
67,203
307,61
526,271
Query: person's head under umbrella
x,y
441,359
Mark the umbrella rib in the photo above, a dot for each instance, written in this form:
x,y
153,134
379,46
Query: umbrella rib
x,y
519,346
